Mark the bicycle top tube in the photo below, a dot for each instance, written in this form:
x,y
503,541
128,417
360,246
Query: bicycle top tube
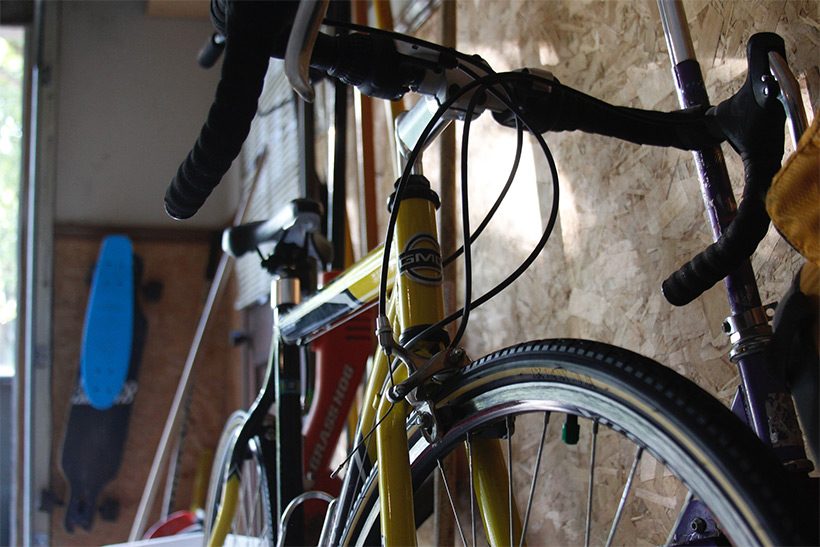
x,y
343,297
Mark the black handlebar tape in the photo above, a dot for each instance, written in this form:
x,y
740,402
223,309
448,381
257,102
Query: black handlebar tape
x,y
565,109
718,260
219,16
211,51
254,31
682,129
753,123
227,126
369,62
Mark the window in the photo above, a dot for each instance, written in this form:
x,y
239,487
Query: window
x,y
12,65
11,138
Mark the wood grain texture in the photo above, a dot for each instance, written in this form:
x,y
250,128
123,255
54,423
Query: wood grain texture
x,y
628,215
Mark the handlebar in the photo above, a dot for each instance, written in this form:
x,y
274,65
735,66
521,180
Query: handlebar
x,y
211,51
253,32
751,121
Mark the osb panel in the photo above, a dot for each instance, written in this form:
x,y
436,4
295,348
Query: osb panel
x,y
628,215
180,267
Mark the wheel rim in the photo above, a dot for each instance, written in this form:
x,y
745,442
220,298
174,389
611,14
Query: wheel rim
x,y
251,521
536,399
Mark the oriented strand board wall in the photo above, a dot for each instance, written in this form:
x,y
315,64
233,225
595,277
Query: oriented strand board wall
x,y
180,265
628,215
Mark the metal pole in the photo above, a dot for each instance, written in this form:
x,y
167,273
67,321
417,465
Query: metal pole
x,y
175,415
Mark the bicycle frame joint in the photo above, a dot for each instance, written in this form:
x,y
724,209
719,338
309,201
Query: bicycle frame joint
x,y
748,331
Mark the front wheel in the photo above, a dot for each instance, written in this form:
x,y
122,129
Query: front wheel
x,y
653,453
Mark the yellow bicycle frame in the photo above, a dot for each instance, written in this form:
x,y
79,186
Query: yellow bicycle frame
x,y
419,300
416,301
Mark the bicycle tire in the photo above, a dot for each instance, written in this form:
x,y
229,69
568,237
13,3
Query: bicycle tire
x,y
252,518
698,439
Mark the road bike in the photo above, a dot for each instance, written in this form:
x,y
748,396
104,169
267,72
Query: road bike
x,y
425,397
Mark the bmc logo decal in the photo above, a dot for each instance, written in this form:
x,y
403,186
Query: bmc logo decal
x,y
421,259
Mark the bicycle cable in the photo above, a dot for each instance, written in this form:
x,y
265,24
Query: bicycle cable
x,y
358,446
466,248
366,438
274,108
485,82
416,151
489,215
523,118
503,194
465,217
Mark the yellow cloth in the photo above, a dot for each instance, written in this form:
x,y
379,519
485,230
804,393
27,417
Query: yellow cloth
x,y
793,203
793,200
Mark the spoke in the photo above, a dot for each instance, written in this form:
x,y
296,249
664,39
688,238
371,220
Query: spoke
x,y
591,480
686,502
534,477
236,525
259,508
251,508
243,520
452,504
509,478
254,504
472,485
622,503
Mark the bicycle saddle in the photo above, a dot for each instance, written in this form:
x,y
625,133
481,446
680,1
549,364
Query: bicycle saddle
x,y
297,225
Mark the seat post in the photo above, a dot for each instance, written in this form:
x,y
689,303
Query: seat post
x,y
287,408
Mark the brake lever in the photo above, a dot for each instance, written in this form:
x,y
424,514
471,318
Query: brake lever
x,y
302,38
789,95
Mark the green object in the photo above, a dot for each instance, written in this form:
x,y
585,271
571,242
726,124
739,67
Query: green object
x,y
570,430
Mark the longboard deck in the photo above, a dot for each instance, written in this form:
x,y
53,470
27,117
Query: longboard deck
x,y
95,438
109,324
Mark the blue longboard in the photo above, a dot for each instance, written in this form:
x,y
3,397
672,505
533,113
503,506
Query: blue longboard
x,y
111,351
109,324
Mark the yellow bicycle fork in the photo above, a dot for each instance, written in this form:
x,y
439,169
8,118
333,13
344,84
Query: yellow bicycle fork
x,y
227,508
417,302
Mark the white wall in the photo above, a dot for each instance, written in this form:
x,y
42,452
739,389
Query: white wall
x,y
132,100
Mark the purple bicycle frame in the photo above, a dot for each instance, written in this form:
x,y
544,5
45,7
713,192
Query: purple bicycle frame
x,y
762,400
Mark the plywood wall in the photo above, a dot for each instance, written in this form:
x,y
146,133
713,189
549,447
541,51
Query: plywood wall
x,y
180,265
628,215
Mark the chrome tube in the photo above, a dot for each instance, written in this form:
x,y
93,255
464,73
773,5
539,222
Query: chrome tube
x,y
790,96
676,31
